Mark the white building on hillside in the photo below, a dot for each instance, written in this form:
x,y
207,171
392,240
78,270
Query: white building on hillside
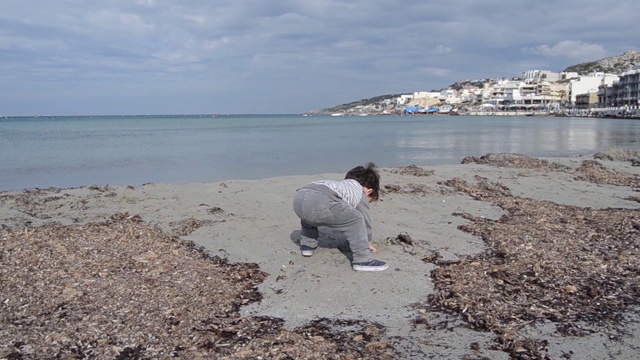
x,y
585,84
568,75
404,99
629,88
624,92
537,76
449,96
470,93
523,95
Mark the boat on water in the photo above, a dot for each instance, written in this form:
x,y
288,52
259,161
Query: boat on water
x,y
445,109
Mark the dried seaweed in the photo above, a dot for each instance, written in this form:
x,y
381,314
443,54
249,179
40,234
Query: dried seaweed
x,y
412,170
123,289
616,154
411,188
187,226
30,201
633,198
595,172
544,261
589,170
515,161
403,239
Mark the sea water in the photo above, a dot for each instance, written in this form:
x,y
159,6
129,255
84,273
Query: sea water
x,y
47,152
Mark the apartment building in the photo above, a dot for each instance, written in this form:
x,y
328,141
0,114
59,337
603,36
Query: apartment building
x,y
587,100
522,94
589,83
628,89
625,91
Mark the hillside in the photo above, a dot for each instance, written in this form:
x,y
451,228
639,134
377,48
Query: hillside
x,y
383,104
611,65
372,105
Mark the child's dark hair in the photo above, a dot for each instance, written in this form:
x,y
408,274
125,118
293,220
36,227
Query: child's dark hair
x,y
368,177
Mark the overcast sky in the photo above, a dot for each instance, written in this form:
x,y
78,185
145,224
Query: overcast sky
x,y
96,57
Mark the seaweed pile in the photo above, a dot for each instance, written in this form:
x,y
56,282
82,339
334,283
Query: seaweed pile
x,y
595,172
122,289
515,161
617,154
411,188
412,170
589,170
544,262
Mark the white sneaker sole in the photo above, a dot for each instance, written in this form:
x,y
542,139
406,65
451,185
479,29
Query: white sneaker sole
x,y
370,268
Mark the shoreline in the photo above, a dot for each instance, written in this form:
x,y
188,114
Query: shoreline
x,y
251,221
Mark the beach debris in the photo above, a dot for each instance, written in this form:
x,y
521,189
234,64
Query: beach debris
x,y
515,161
432,257
392,188
403,239
589,170
414,189
484,187
123,289
126,217
102,189
595,172
524,277
523,348
633,198
215,211
617,154
187,226
412,170
30,202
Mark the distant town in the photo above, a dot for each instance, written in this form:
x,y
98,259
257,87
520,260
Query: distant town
x,y
534,93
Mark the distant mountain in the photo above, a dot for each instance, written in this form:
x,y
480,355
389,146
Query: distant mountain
x,y
612,65
383,104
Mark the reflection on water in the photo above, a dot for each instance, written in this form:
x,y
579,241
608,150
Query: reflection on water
x,y
65,152
450,141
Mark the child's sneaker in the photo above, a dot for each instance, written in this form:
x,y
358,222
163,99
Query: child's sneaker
x,y
373,265
307,250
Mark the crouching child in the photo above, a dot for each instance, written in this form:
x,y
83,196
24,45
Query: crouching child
x,y
342,205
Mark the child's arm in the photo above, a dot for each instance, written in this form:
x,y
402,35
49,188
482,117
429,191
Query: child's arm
x,y
372,248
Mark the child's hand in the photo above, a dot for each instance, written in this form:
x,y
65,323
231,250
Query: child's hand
x,y
372,248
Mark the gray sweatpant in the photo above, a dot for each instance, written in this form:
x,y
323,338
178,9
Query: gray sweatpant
x,y
317,209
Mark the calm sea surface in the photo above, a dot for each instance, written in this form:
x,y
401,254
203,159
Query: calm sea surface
x,y
132,150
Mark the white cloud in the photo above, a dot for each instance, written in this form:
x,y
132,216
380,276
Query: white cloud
x,y
214,44
436,71
146,2
441,49
574,50
114,21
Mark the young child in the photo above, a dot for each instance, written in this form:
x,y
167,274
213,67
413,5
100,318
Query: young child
x,y
344,206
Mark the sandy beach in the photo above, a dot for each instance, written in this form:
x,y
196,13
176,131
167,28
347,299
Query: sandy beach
x,y
461,222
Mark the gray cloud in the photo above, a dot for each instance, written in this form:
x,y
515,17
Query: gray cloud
x,y
195,56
